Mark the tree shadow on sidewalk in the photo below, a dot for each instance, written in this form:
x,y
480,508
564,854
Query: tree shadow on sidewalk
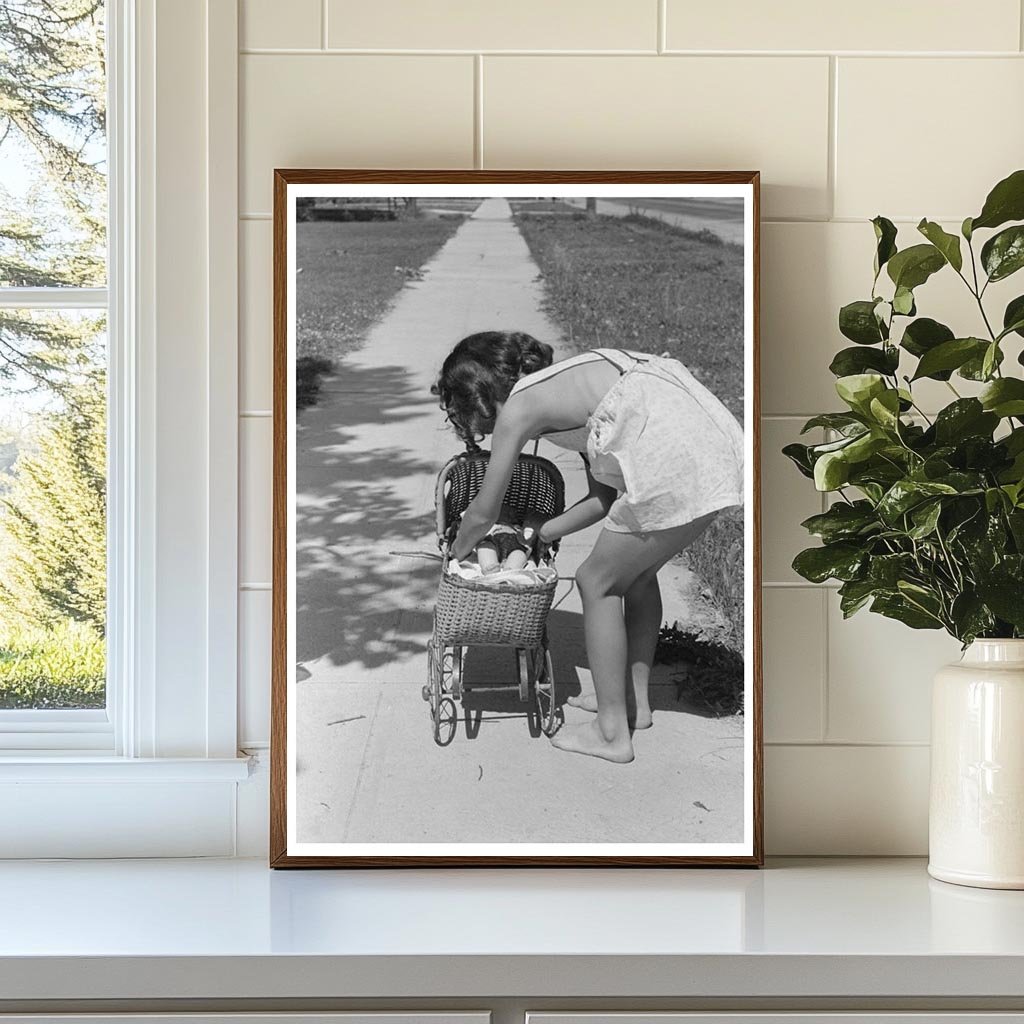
x,y
352,604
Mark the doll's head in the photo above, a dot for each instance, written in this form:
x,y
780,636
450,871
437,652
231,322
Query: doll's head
x,y
478,375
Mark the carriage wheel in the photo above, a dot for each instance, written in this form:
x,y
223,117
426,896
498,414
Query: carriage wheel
x,y
442,707
548,712
431,692
524,672
455,675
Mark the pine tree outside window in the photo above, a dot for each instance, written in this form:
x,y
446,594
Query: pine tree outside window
x,y
53,366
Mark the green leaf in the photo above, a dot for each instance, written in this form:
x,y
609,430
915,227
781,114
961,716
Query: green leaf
x,y
1005,202
966,229
800,456
840,561
950,355
818,450
966,417
831,471
913,266
854,595
923,335
964,482
1004,397
903,302
887,570
991,360
858,389
906,494
841,421
863,447
947,244
872,491
1013,317
1005,597
974,368
970,617
885,409
1014,441
843,521
897,607
1003,254
981,537
925,518
857,321
1015,519
849,361
885,237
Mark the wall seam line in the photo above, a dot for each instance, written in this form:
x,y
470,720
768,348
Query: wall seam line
x,y
352,51
323,24
852,744
662,28
478,111
833,134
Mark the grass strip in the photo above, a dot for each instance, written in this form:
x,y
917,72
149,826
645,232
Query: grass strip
x,y
639,283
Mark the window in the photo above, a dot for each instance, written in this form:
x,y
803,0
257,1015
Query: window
x,y
53,372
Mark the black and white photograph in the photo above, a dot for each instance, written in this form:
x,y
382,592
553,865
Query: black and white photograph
x,y
515,543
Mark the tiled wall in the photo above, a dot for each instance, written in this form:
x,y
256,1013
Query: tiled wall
x,y
907,108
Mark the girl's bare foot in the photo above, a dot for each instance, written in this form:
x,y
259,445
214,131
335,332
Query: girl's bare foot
x,y
642,719
588,739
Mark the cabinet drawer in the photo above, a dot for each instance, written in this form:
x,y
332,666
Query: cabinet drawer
x,y
790,1017
360,1017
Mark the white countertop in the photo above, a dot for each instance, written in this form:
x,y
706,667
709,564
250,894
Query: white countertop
x,y
233,928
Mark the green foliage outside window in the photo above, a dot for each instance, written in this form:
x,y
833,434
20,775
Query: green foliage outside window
x,y
52,365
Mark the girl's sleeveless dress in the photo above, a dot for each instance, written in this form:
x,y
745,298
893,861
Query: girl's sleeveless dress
x,y
659,437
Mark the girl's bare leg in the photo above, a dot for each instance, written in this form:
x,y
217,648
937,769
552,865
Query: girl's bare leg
x,y
616,562
643,621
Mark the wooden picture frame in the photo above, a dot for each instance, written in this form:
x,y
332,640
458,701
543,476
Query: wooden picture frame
x,y
287,848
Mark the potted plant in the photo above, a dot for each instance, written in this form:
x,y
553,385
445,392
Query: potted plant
x,y
926,524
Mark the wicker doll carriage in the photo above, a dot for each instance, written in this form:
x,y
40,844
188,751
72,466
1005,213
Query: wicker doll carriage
x,y
472,613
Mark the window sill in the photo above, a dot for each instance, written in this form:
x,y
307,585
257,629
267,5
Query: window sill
x,y
74,766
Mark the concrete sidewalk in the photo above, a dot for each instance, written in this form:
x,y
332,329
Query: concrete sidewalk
x,y
367,459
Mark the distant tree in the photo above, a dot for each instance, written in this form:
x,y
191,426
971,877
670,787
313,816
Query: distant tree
x,y
52,116
53,518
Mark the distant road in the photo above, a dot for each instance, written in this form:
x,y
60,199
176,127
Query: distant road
x,y
722,216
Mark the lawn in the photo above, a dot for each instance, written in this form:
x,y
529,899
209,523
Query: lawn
x,y
348,275
633,282
543,206
60,667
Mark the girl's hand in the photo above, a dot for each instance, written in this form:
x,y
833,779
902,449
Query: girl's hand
x,y
472,530
534,521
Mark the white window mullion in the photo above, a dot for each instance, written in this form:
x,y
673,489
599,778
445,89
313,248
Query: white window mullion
x,y
53,298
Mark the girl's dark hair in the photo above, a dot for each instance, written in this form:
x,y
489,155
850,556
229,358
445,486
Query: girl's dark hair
x,y
478,375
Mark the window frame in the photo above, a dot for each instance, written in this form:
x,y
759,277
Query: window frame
x,y
168,152
94,730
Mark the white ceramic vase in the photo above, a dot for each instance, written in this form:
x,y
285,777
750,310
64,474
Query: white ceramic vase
x,y
976,815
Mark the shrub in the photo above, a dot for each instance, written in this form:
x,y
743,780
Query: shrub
x,y
60,667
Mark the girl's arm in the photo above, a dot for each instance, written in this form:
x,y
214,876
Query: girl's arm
x,y
511,432
587,511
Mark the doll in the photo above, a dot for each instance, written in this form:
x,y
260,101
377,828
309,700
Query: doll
x,y
509,543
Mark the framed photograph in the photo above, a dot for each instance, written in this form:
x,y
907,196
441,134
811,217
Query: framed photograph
x,y
516,612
